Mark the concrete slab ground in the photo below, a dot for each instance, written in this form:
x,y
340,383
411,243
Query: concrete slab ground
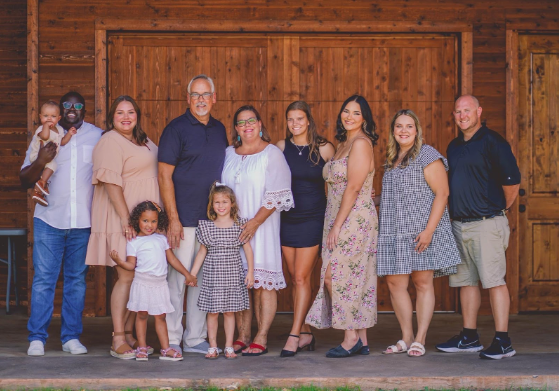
x,y
535,337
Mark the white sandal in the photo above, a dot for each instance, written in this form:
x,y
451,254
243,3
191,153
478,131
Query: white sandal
x,y
395,349
416,347
229,353
212,354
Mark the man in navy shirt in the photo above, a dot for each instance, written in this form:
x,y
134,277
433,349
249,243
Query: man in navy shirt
x,y
484,180
191,156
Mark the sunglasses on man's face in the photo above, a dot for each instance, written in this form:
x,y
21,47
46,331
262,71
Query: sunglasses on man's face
x,y
243,123
68,105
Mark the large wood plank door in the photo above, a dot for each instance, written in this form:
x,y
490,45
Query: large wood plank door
x,y
538,161
270,71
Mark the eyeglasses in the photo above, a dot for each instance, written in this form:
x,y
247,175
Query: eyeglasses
x,y
242,123
205,95
68,105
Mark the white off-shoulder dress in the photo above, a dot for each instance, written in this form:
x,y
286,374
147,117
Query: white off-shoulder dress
x,y
261,180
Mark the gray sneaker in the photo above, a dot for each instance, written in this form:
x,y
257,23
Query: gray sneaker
x,y
202,348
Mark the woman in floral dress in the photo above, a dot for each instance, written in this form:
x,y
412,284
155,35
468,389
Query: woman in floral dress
x,y
347,296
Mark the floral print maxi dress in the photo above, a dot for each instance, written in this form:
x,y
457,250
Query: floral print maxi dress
x,y
354,282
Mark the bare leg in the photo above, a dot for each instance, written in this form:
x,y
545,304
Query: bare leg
x,y
244,322
268,300
425,303
350,339
163,333
362,333
229,326
47,173
401,301
500,306
470,301
300,263
212,320
142,327
119,299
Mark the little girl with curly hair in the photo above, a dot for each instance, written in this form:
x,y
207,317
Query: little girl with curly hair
x,y
148,255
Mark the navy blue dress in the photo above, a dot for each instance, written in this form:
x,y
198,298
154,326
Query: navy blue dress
x,y
302,225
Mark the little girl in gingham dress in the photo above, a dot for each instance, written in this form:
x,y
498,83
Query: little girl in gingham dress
x,y
224,285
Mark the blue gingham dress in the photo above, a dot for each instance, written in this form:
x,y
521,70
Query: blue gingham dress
x,y
406,201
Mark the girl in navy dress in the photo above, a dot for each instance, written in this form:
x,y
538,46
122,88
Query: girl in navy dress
x,y
306,152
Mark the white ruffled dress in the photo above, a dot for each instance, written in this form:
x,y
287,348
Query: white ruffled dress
x,y
261,180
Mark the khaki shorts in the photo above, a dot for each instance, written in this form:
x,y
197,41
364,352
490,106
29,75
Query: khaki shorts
x,y
482,245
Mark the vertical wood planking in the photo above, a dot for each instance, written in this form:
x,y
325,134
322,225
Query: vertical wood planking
x,y
467,63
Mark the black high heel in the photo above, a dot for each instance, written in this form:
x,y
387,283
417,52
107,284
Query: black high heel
x,y
309,346
289,353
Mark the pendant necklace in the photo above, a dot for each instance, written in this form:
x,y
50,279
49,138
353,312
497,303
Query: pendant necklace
x,y
297,146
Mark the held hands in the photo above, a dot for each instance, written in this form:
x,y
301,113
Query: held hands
x,y
175,233
249,280
332,238
249,229
423,240
190,280
127,230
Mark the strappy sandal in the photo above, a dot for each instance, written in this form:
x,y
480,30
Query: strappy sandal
x,y
240,343
309,346
142,353
263,350
166,355
290,353
124,351
135,346
395,349
416,347
229,353
213,353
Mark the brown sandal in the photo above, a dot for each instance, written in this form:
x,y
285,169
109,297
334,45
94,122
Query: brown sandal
x,y
124,351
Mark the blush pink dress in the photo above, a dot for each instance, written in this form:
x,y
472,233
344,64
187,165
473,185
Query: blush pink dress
x,y
119,161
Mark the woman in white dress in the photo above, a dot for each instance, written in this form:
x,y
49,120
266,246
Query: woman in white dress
x,y
258,173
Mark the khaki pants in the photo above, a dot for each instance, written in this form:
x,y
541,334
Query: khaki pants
x,y
482,245
196,328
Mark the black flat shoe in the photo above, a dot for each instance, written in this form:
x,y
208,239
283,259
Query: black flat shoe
x,y
340,352
309,346
289,353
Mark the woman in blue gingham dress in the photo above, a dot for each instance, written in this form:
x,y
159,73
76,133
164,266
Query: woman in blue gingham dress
x,y
415,235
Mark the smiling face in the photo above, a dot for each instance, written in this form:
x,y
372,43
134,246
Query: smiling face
x,y
72,116
467,114
297,122
405,131
201,106
125,118
248,132
352,118
222,204
148,222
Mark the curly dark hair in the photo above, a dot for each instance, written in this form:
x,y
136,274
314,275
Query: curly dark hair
x,y
163,220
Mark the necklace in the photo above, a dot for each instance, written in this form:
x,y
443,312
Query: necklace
x,y
297,146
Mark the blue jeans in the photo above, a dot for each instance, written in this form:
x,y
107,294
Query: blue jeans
x,y
52,249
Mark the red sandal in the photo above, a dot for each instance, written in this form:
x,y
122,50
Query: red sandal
x,y
256,346
242,344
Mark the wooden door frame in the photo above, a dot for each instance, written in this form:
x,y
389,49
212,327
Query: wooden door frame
x,y
513,30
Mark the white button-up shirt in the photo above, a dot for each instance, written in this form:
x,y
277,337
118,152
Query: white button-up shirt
x,y
70,186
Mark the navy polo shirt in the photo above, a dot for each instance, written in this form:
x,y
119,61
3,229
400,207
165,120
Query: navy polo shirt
x,y
198,152
479,168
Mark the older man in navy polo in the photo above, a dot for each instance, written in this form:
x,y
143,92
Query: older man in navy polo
x,y
191,157
484,180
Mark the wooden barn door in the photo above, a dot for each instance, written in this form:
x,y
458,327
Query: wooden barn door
x,y
538,161
270,71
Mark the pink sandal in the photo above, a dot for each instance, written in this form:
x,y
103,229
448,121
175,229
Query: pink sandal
x,y
168,356
142,353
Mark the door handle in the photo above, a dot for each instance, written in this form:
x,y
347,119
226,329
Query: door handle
x,y
522,192
522,208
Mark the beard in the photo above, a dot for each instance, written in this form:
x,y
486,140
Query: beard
x,y
201,110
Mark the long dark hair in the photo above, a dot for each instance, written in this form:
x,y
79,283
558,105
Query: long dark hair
x,y
370,126
138,133
314,140
234,134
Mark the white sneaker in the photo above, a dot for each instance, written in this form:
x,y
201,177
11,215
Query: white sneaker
x,y
74,346
36,348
